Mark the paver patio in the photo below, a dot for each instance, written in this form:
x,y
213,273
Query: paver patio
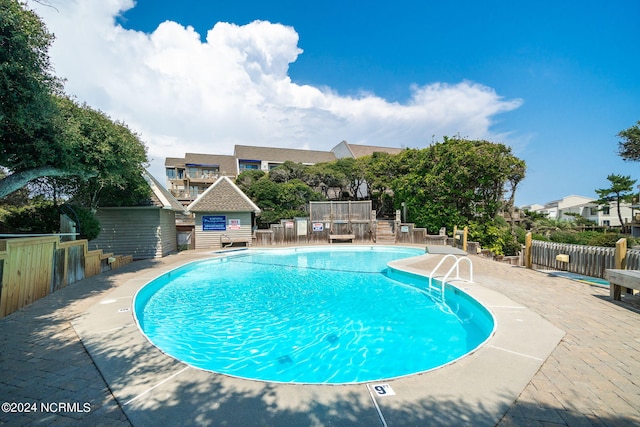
x,y
592,377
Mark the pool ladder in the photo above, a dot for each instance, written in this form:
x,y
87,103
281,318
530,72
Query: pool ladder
x,y
229,244
456,266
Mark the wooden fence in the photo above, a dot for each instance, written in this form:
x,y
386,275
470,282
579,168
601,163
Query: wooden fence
x,y
590,261
34,267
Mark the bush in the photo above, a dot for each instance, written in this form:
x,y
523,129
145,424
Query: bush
x,y
605,239
495,236
40,217
541,237
43,217
89,226
587,238
564,237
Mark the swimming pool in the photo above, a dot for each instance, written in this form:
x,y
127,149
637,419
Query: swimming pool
x,y
309,315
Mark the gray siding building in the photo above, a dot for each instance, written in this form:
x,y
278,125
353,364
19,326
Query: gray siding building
x,y
223,216
140,231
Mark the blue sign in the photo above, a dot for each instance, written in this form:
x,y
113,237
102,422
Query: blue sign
x,y
214,223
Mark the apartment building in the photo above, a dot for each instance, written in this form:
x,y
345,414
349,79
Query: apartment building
x,y
190,176
585,207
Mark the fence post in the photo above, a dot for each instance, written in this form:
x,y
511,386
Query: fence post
x,y
528,255
464,239
621,254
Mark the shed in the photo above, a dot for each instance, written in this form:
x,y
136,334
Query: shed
x,y
223,216
145,231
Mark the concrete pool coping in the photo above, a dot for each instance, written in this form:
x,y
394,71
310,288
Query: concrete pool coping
x,y
475,390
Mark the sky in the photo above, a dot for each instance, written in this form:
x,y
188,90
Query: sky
x,y
554,80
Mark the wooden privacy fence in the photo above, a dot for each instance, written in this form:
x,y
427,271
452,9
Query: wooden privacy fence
x,y
34,267
592,261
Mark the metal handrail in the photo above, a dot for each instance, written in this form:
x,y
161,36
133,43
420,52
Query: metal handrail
x,y
228,244
456,266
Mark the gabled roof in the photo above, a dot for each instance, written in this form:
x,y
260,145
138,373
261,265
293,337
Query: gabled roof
x,y
160,196
246,152
223,196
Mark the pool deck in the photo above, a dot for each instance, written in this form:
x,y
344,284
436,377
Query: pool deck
x,y
563,355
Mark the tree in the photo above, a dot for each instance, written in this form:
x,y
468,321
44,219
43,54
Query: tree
x,y
27,109
325,177
621,190
46,134
109,151
456,181
247,178
380,171
630,144
277,200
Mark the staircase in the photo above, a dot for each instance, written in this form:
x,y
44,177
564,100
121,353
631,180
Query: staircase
x,y
384,233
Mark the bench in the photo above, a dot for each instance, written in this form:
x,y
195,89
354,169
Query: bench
x,y
341,237
619,279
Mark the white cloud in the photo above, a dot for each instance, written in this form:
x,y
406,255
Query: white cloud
x,y
184,95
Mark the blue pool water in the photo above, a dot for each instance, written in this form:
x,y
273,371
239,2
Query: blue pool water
x,y
309,315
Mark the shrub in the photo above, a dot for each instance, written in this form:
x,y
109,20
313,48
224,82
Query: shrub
x,y
605,239
89,226
495,236
43,217
40,217
564,237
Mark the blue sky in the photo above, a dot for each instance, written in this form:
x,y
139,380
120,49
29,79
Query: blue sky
x,y
555,80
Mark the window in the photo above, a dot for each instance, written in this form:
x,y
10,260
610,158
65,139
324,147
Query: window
x,y
193,191
193,172
605,210
593,211
171,173
249,166
606,222
210,172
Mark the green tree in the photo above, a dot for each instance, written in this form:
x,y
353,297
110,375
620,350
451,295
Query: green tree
x,y
351,172
456,181
45,134
27,110
247,178
326,177
112,153
620,191
380,171
630,145
277,200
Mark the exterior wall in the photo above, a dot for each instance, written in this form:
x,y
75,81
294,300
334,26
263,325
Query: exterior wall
x,y
168,233
612,217
571,201
206,239
132,231
341,151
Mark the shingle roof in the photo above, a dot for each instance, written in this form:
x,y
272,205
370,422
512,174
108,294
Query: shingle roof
x,y
174,161
160,196
223,196
227,164
367,150
246,152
